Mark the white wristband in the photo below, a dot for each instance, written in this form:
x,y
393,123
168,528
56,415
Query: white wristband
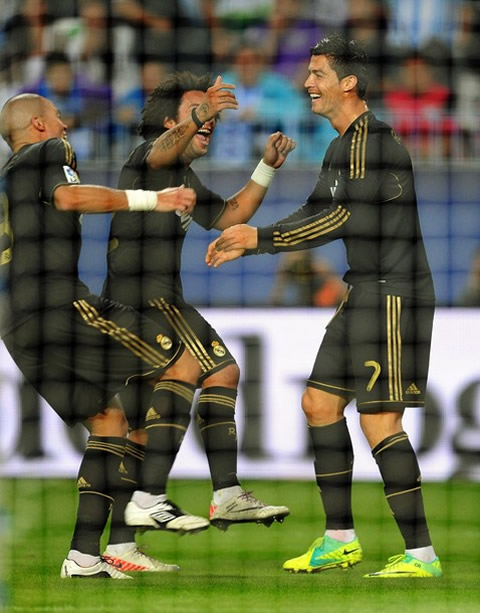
x,y
263,174
141,200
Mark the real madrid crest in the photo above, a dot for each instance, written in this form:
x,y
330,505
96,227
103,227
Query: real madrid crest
x,y
165,342
218,349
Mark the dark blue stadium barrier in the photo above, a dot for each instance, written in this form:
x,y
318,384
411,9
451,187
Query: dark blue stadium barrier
x,y
449,210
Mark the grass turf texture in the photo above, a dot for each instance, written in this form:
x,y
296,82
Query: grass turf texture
x,y
240,570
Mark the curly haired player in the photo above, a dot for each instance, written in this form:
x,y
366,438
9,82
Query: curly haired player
x,y
144,259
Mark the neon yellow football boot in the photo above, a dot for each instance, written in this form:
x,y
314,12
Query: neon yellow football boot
x,y
405,565
326,553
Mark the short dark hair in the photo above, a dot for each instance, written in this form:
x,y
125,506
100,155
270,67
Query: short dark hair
x,y
346,57
56,57
164,101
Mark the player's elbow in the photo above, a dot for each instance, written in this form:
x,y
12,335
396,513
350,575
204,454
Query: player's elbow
x,y
153,162
65,198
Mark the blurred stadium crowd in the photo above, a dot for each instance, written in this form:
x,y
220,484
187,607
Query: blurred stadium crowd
x,y
99,60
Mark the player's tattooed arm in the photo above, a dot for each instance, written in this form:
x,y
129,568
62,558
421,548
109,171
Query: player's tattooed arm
x,y
232,204
170,145
170,139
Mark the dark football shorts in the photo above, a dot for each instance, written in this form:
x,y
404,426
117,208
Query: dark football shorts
x,y
376,349
78,357
199,338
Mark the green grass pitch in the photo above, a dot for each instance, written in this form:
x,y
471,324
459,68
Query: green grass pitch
x,y
239,571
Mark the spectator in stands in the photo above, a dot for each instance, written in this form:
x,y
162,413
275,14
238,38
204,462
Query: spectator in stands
x,y
470,296
267,102
332,14
262,93
166,29
84,106
428,27
87,40
58,9
305,281
419,109
467,71
240,14
367,21
286,38
128,108
413,24
228,20
26,38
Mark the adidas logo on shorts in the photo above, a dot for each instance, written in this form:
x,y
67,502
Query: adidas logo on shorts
x,y
412,389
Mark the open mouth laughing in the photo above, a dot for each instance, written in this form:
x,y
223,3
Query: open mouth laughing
x,y
204,135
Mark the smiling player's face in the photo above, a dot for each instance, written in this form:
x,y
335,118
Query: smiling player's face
x,y
323,86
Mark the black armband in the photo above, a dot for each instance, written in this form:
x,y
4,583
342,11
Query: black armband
x,y
196,120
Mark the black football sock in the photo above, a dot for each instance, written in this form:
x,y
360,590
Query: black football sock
x,y
166,422
333,453
216,422
129,470
96,482
399,468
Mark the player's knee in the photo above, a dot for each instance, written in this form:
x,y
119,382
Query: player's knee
x,y
309,406
227,377
322,408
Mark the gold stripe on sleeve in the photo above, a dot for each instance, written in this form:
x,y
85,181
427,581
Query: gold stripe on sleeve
x,y
312,230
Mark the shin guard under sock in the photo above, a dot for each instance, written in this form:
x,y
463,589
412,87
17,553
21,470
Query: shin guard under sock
x,y
166,422
333,453
399,468
216,422
97,480
129,469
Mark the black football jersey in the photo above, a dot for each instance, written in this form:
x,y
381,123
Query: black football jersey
x,y
39,245
144,252
365,195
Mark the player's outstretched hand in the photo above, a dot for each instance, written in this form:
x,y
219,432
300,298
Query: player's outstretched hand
x,y
218,97
231,244
180,199
277,147
217,258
